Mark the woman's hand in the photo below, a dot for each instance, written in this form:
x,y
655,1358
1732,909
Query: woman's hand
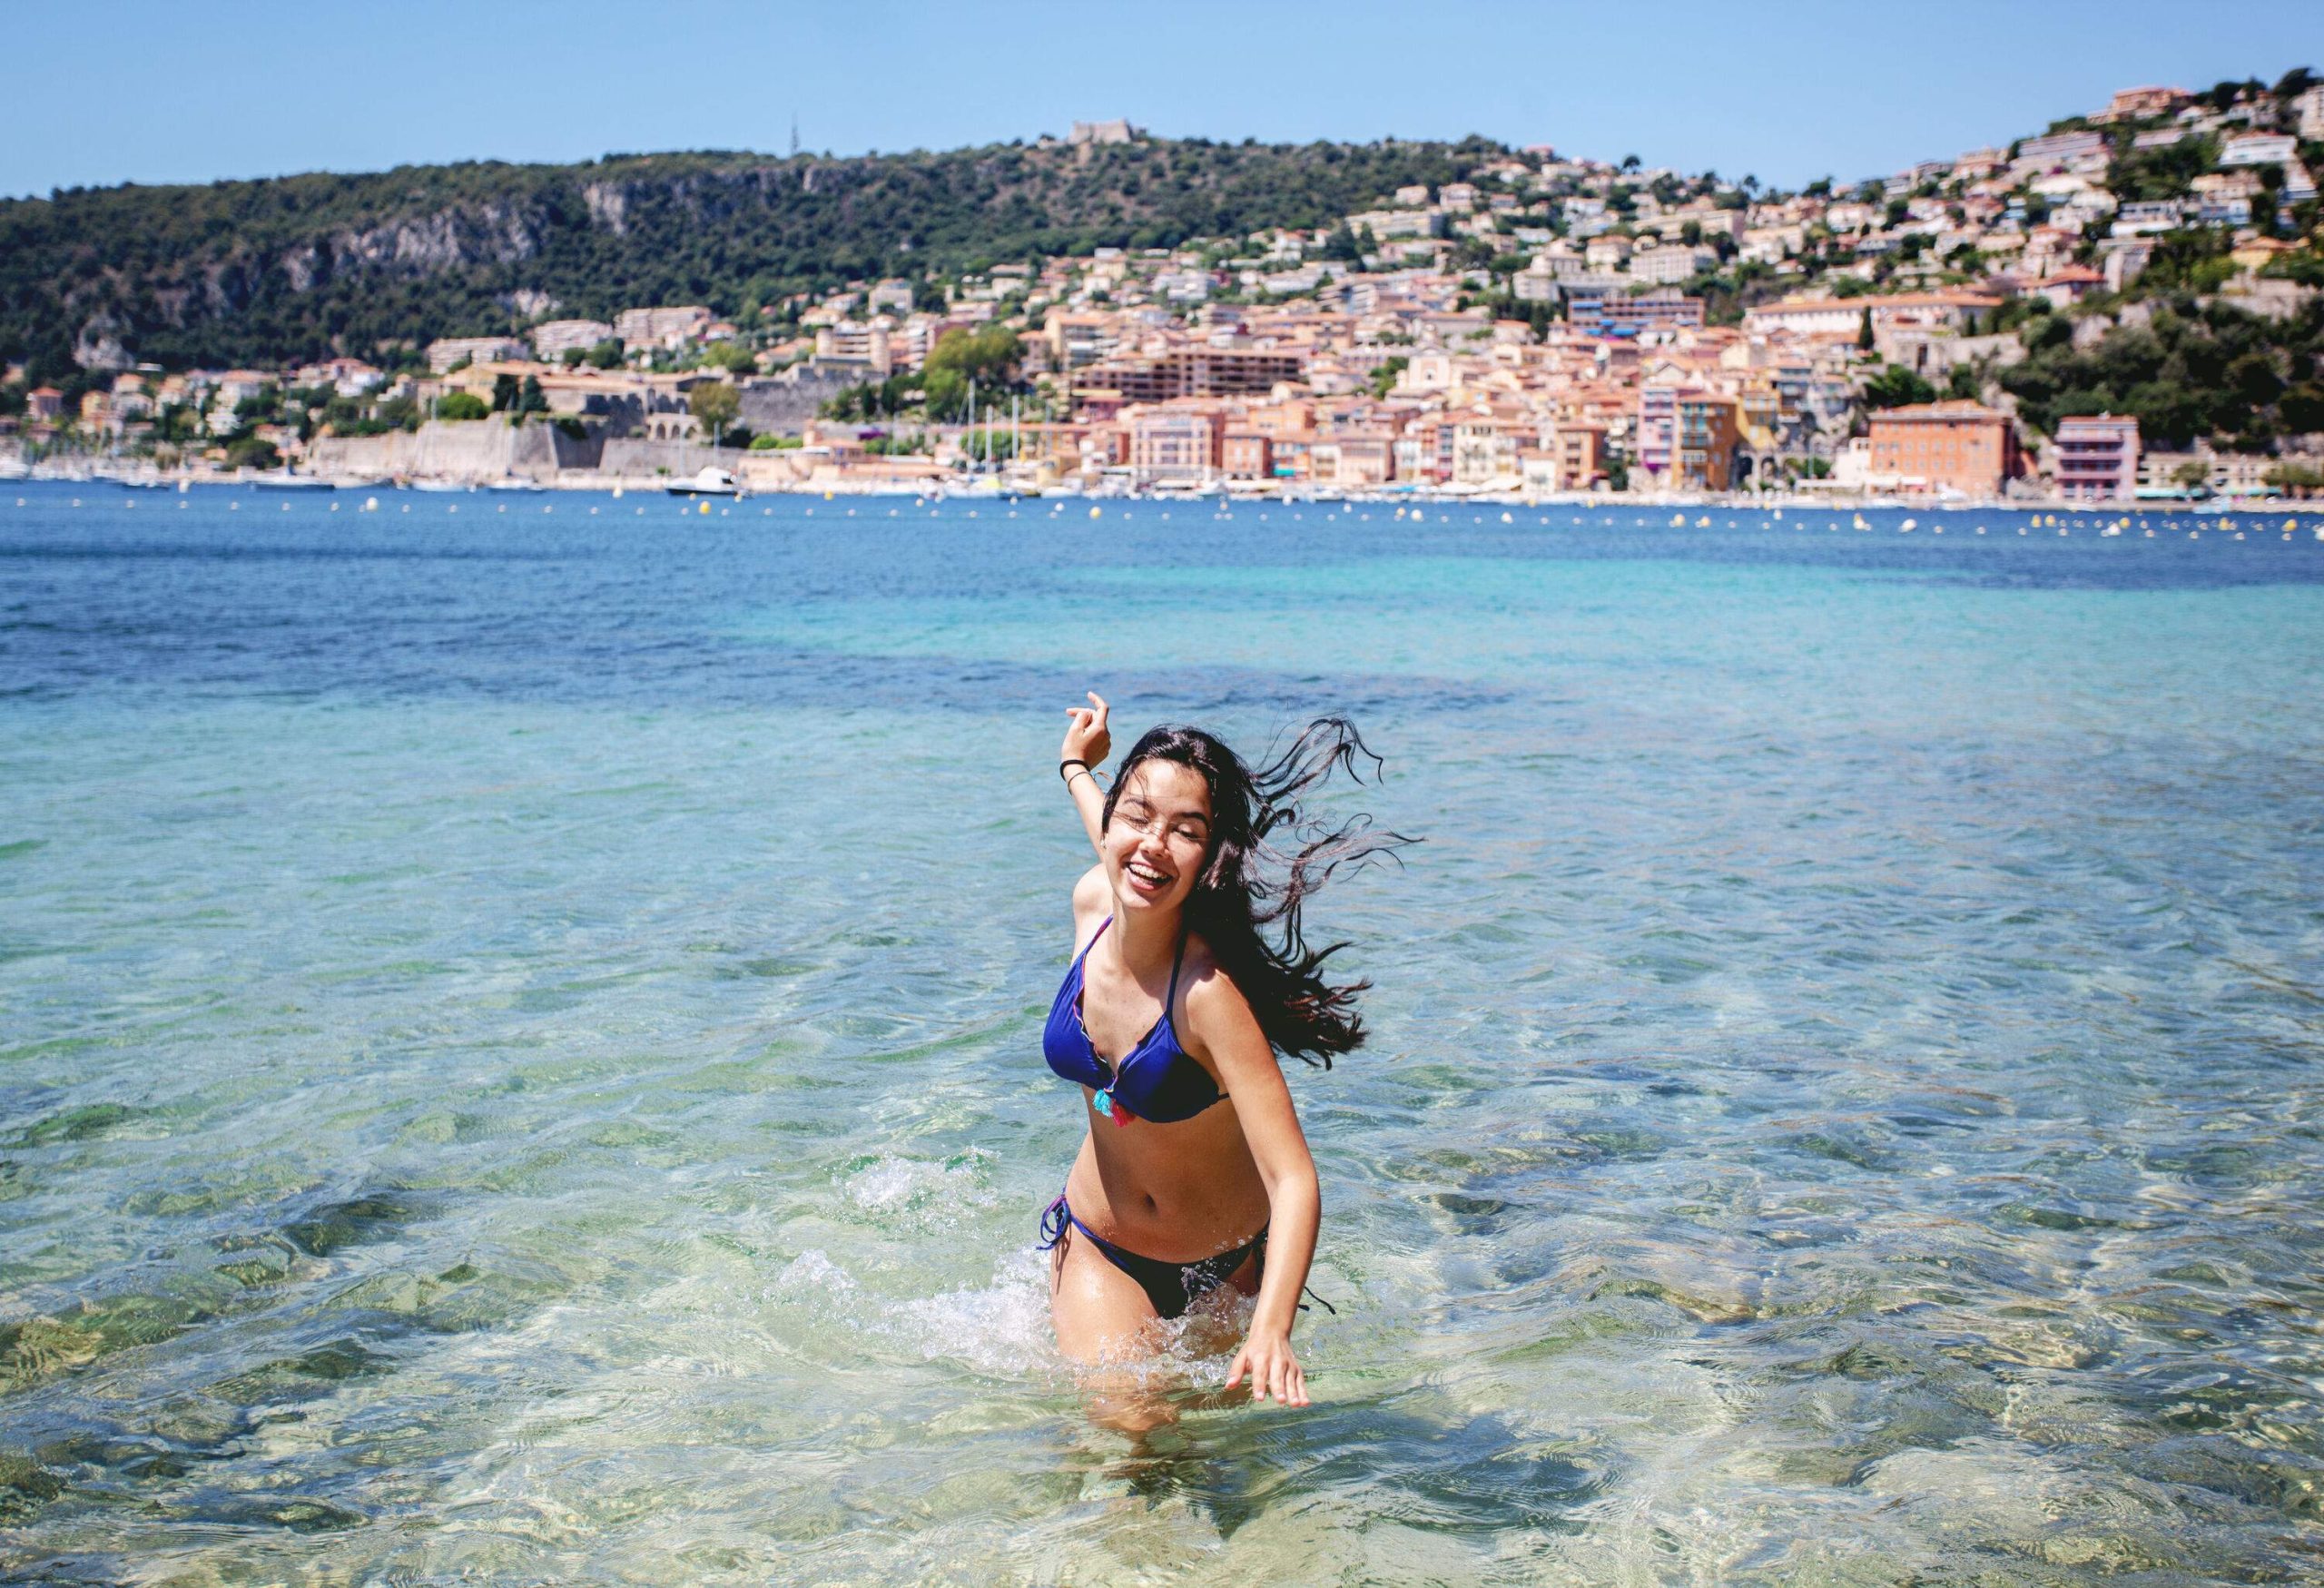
x,y
1266,1357
1085,738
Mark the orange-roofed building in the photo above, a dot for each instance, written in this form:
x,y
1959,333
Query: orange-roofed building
x,y
1367,456
1708,429
1581,453
1962,447
1173,443
2138,104
1247,454
1281,419
2070,286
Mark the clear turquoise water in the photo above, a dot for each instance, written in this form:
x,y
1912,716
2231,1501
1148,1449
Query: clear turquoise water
x,y
517,1044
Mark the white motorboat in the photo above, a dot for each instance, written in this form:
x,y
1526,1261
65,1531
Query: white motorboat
x,y
710,482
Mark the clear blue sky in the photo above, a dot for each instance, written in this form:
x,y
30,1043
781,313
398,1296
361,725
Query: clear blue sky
x,y
142,92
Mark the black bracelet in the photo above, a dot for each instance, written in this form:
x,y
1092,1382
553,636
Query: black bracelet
x,y
1074,761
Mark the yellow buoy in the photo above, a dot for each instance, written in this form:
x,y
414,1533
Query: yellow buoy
x,y
705,510
1097,512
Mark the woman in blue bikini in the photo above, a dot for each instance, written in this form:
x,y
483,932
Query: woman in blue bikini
x,y
1193,1174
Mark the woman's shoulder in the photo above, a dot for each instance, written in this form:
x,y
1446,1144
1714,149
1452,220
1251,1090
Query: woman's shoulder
x,y
1090,903
1202,978
1219,1017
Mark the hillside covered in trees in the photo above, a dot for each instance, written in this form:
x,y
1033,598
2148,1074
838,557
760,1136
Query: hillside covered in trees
x,y
275,271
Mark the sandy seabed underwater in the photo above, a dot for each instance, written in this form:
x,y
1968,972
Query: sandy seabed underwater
x,y
518,1043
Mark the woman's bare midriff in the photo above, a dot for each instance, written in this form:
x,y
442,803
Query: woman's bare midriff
x,y
1177,1193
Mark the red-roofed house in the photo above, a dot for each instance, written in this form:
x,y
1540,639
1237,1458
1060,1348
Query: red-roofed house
x,y
2070,286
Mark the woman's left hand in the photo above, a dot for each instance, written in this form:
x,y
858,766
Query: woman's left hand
x,y
1085,738
1273,1370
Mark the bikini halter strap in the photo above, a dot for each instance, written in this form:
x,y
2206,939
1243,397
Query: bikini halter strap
x,y
1179,959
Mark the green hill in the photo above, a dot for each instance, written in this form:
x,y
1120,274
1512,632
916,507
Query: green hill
x,y
297,267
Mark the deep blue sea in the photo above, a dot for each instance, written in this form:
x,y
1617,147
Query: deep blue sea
x,y
518,1026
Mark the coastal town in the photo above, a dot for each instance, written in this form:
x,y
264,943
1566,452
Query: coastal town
x,y
1550,326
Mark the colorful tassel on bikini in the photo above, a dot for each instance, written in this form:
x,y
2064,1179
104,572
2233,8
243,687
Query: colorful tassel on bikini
x,y
1117,1112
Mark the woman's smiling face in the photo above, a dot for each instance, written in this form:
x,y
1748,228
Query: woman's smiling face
x,y
1158,836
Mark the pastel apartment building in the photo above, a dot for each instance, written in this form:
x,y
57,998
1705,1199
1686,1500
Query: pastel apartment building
x,y
1198,371
1177,444
1599,313
1708,430
2097,456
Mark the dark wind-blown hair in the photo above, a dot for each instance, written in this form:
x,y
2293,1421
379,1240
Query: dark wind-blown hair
x,y
1266,862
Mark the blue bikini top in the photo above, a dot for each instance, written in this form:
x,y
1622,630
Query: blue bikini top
x,y
1155,1081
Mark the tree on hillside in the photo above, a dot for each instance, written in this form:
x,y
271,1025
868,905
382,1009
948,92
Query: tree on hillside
x,y
252,453
732,356
714,405
2167,172
2195,370
1897,387
989,356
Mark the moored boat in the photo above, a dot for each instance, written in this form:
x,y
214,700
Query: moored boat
x,y
710,482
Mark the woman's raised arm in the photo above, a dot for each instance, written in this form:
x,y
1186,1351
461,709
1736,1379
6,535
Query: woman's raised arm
x,y
1086,743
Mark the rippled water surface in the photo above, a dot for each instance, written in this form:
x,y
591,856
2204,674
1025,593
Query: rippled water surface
x,y
519,1021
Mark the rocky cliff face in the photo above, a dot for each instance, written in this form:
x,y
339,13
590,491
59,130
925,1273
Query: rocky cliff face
x,y
492,233
108,313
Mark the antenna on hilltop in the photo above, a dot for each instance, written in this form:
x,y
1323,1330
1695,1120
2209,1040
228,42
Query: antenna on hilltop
x,y
794,135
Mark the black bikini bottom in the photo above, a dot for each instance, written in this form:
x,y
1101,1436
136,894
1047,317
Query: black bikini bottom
x,y
1172,1287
